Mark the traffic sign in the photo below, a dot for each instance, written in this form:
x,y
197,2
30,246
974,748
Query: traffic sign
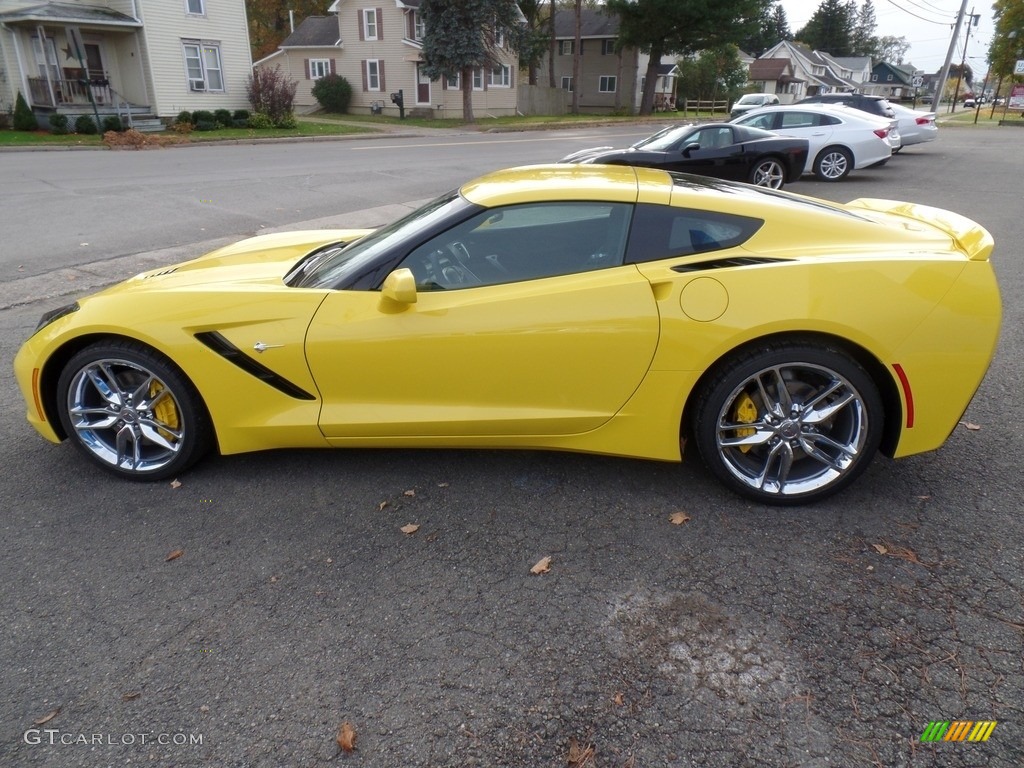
x,y
1018,68
917,82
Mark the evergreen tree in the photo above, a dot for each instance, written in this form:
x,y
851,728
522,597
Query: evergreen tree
x,y
831,28
24,120
864,41
462,35
772,28
662,27
780,24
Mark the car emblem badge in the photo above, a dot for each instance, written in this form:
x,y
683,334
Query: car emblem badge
x,y
259,346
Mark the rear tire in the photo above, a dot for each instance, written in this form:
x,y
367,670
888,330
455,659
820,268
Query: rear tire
x,y
768,172
833,164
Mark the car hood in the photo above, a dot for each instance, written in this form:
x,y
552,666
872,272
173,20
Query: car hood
x,y
263,259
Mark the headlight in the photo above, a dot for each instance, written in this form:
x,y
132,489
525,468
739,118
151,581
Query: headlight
x,y
55,314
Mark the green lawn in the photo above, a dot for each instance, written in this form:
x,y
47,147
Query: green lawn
x,y
12,138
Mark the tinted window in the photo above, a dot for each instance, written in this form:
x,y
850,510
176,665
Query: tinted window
x,y
800,119
765,121
522,242
665,232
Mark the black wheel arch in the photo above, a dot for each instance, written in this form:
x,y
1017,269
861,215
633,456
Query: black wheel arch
x,y
888,388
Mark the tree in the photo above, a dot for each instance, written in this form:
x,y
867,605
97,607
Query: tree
x,y
892,50
864,41
662,27
270,24
1008,42
831,28
535,37
768,32
717,72
24,119
780,24
461,36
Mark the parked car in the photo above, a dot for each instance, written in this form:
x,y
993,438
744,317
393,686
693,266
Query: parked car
x,y
841,138
915,127
874,105
590,308
749,101
720,150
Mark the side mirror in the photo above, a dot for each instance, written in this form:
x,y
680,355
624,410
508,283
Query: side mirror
x,y
399,287
689,148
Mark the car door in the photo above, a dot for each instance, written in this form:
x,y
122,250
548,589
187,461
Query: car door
x,y
718,154
526,321
813,126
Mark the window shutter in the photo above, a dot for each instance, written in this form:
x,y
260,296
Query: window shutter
x,y
511,77
380,68
362,30
309,76
410,25
334,68
380,24
366,79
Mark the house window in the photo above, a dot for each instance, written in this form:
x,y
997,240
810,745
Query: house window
x,y
195,8
319,68
499,38
202,62
501,76
565,47
47,60
874,78
373,74
419,28
888,78
455,82
607,47
566,83
478,79
606,84
369,23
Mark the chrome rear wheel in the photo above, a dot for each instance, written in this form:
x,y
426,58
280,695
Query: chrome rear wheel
x,y
768,173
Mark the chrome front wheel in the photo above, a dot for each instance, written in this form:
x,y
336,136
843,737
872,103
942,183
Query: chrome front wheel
x,y
789,424
768,173
131,411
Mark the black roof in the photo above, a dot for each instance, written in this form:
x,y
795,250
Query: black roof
x,y
314,31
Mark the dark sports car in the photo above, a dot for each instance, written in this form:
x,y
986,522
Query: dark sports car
x,y
721,150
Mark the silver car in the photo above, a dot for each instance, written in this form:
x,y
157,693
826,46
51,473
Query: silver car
x,y
915,127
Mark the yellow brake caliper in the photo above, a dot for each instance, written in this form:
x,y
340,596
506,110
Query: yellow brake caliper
x,y
745,412
165,410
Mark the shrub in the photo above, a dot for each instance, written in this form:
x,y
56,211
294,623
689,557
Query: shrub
x,y
223,116
241,114
287,121
24,120
240,123
205,125
184,117
202,115
59,123
112,123
333,92
86,125
260,121
183,128
271,92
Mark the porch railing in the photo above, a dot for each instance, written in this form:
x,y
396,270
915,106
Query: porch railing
x,y
69,91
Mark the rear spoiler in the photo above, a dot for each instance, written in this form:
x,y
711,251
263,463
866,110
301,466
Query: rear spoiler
x,y
969,236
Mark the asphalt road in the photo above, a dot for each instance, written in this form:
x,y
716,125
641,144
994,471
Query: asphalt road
x,y
822,636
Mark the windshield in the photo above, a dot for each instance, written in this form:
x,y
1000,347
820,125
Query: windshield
x,y
667,138
336,267
751,98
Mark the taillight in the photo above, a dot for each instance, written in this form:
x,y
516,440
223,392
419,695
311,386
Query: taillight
x,y
881,133
923,120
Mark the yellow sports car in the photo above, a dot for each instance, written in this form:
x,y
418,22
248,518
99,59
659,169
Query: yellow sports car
x,y
588,308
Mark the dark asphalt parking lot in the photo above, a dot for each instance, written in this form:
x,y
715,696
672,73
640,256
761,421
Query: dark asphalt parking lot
x,y
829,635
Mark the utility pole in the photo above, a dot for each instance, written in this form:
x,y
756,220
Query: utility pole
x,y
963,60
940,85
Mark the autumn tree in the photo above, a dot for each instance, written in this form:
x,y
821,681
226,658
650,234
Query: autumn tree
x,y
664,27
461,36
269,22
831,28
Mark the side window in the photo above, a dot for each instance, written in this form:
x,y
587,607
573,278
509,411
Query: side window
x,y
523,242
666,232
799,120
765,122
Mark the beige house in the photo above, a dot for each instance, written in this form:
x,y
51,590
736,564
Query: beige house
x,y
377,48
150,58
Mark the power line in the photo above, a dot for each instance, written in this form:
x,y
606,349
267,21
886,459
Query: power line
x,y
922,18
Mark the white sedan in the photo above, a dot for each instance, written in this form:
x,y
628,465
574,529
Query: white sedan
x,y
915,127
841,138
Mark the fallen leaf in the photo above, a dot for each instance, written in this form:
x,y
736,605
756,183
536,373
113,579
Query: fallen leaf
x,y
330,560
580,757
678,518
131,695
47,717
409,529
174,555
380,507
346,737
410,492
442,485
273,579
617,698
543,566
924,498
971,426
881,548
175,484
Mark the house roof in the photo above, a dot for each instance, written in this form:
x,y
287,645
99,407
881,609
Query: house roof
x,y
855,63
68,13
769,69
593,23
314,32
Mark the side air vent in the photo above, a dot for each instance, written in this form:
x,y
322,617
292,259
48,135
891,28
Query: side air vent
x,y
734,261
161,272
233,354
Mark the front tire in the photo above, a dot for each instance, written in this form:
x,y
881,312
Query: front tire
x,y
768,173
788,423
833,164
130,410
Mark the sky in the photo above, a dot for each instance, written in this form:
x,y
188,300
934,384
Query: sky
x,y
926,24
